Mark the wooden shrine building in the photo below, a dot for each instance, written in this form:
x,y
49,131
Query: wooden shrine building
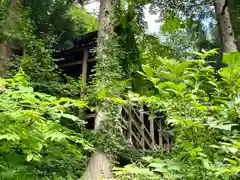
x,y
141,131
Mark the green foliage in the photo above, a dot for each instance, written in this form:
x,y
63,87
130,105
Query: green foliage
x,y
13,24
130,172
34,143
172,23
202,105
204,114
63,21
83,21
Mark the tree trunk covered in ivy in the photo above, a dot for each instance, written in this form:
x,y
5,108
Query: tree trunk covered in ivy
x,y
99,165
7,44
225,26
3,55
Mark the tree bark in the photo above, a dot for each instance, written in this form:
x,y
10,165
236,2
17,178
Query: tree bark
x,y
3,55
99,165
225,26
6,46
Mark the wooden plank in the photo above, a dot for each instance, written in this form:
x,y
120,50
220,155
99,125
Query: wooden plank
x,y
75,63
130,126
151,121
90,115
142,124
134,135
84,66
168,144
136,114
160,134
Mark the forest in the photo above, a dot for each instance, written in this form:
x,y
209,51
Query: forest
x,y
94,96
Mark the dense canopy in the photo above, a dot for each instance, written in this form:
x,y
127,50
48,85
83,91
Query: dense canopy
x,y
86,96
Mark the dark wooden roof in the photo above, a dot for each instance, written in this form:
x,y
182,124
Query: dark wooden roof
x,y
81,42
88,40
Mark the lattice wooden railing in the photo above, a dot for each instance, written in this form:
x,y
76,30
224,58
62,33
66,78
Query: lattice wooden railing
x,y
144,132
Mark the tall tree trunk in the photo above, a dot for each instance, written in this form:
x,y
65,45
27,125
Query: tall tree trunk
x,y
99,165
6,46
3,55
225,25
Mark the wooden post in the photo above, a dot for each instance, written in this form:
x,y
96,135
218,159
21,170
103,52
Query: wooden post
x,y
142,125
151,120
130,126
84,79
84,65
160,134
168,144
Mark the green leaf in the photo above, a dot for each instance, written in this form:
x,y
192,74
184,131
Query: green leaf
x,y
198,149
226,127
29,157
25,89
148,70
71,117
161,170
187,144
55,136
232,149
232,58
205,163
175,167
235,163
69,177
10,137
148,158
157,165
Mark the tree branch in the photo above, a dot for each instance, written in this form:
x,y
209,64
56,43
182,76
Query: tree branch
x,y
224,7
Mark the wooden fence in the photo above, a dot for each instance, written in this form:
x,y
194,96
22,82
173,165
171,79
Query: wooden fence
x,y
144,132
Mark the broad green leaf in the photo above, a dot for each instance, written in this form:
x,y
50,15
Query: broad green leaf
x,y
157,165
71,117
29,157
147,70
226,127
205,163
10,137
25,89
162,170
175,167
232,58
148,158
69,177
226,73
198,149
232,149
233,162
187,144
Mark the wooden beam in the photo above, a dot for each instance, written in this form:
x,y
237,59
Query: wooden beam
x,y
160,134
151,121
142,124
136,138
75,63
93,115
130,126
84,65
